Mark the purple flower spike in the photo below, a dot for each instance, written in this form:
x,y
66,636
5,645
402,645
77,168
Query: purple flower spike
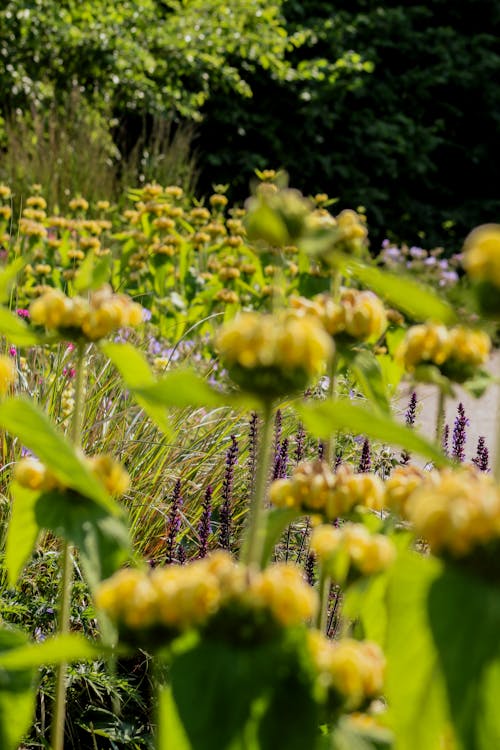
x,y
173,522
205,526
365,462
459,436
482,458
226,511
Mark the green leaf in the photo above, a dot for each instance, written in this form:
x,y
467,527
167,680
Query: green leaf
x,y
415,688
468,647
37,432
102,540
16,330
8,276
365,367
415,300
22,531
323,418
171,733
92,272
365,600
183,388
292,716
59,649
263,223
17,690
136,373
479,384
215,687
277,521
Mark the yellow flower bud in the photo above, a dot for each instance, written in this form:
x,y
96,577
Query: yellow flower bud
x,y
111,473
482,254
282,589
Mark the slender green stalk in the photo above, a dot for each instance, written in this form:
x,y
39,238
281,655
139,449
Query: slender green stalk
x,y
59,717
332,392
325,583
440,416
496,468
252,550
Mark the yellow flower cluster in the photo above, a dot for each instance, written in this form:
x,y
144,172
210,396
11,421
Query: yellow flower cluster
x,y
183,597
482,254
456,351
92,318
274,354
313,487
31,473
8,374
353,669
368,553
357,315
458,512
403,481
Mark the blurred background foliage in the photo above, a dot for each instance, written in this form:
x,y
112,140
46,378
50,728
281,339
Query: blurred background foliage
x,y
394,107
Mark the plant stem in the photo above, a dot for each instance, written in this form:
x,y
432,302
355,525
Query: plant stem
x,y
332,391
59,718
496,466
324,596
252,551
440,416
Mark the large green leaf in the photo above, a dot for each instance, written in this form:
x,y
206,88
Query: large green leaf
x,y
415,687
183,388
102,540
36,431
171,733
216,686
464,618
17,691
323,418
59,649
136,373
417,301
292,717
22,530
15,330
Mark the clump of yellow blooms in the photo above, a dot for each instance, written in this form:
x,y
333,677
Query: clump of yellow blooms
x,y
273,354
313,487
353,669
482,254
367,553
403,481
93,318
356,315
457,513
184,597
32,474
457,351
8,374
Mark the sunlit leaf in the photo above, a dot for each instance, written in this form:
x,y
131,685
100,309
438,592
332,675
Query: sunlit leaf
x,y
59,649
408,295
326,417
22,530
17,690
37,432
136,373
16,330
8,276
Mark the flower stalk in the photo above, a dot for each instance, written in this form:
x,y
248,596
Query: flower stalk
x,y
59,719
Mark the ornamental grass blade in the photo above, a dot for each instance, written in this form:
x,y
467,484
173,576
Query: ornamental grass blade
x,y
323,418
